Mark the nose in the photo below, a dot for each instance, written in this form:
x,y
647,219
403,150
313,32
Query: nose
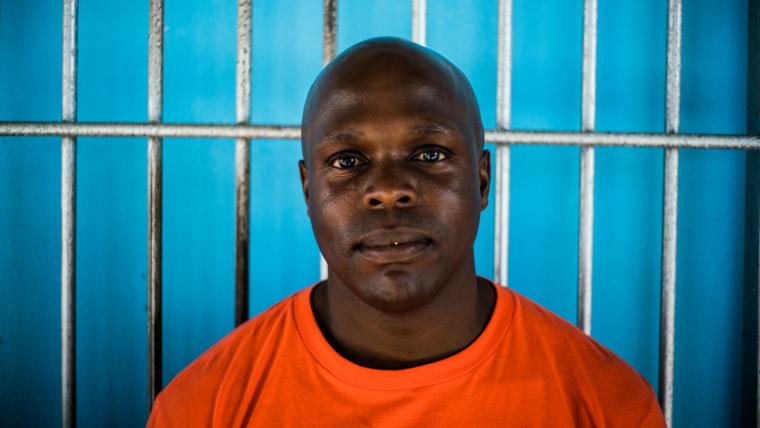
x,y
389,189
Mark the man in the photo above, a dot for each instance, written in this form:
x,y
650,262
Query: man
x,y
402,333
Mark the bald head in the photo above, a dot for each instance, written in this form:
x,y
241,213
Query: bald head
x,y
378,66
394,174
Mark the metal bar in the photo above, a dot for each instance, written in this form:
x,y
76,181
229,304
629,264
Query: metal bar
x,y
585,239
586,214
323,268
329,30
155,171
588,114
503,151
623,139
673,68
668,292
242,162
329,49
278,132
501,215
419,25
68,217
158,130
670,214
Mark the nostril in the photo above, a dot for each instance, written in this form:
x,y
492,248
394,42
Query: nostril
x,y
389,199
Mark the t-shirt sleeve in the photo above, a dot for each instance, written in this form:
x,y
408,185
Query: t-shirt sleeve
x,y
628,400
631,402
157,416
653,418
181,406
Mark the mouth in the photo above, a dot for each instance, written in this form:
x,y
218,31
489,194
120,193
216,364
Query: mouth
x,y
392,247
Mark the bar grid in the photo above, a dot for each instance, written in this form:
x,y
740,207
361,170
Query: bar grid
x,y
242,162
155,201
68,217
242,131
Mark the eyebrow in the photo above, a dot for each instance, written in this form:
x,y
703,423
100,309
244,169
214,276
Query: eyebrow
x,y
431,129
342,136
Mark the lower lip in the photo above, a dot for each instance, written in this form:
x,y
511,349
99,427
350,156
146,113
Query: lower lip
x,y
403,252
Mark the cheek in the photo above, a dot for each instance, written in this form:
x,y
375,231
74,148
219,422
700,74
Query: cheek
x,y
457,205
330,211
453,192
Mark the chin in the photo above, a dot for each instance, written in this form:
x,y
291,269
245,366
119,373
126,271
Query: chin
x,y
396,291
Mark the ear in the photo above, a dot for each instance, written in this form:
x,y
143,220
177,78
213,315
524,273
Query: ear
x,y
304,173
484,176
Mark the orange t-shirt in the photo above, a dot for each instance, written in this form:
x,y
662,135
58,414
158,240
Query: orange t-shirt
x,y
527,368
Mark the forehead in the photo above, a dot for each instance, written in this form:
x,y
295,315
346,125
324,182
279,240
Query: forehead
x,y
385,108
379,103
381,82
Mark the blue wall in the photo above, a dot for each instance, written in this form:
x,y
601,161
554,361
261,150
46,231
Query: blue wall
x,y
199,184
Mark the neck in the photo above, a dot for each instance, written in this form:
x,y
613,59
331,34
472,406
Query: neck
x,y
379,339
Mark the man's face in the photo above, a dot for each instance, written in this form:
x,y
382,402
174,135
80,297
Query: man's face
x,y
394,186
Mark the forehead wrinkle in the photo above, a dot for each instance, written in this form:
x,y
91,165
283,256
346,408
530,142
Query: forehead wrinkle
x,y
345,104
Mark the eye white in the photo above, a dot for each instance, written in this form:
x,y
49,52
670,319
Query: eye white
x,y
345,162
431,156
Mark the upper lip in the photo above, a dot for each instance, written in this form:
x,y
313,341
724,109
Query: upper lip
x,y
385,237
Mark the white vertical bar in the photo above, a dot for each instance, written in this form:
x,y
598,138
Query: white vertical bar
x,y
329,48
419,25
588,114
68,217
673,71
586,239
155,172
503,161
329,30
501,215
668,290
586,215
670,214
242,161
323,268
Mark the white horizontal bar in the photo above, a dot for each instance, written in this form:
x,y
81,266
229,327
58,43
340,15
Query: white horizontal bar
x,y
284,132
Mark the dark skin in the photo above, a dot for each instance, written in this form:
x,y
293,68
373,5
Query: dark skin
x,y
395,177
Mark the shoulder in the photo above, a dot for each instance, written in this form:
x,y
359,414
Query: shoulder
x,y
190,396
590,375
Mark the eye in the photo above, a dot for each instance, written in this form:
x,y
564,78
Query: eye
x,y
346,161
430,155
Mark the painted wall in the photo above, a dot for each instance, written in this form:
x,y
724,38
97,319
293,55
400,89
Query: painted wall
x,y
199,184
